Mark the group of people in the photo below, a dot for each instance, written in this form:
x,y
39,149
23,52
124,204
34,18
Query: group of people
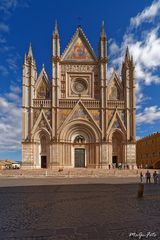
x,y
155,176
118,165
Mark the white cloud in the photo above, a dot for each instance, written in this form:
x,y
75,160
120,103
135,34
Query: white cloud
x,y
12,62
10,122
6,49
4,27
146,55
13,97
2,40
149,115
3,71
10,102
15,89
144,46
138,137
145,50
147,15
8,6
114,48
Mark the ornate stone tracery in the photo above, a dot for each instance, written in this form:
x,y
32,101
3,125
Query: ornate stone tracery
x,y
79,109
78,68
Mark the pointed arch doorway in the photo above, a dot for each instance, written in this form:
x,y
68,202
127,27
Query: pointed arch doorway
x,y
43,141
79,152
118,157
44,149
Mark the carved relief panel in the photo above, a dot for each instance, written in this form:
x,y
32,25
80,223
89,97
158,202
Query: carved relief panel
x,y
122,115
96,115
80,113
43,91
78,81
36,113
110,116
62,116
79,85
47,112
114,93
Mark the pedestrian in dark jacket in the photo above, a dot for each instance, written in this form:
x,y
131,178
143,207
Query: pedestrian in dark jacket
x,y
155,177
148,177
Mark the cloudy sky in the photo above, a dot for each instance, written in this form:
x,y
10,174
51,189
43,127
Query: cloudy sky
x,y
127,23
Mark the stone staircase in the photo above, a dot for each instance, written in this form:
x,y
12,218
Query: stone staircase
x,y
78,172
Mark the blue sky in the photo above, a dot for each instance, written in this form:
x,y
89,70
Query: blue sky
x,y
133,23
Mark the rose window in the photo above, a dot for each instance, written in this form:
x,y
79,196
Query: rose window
x,y
79,86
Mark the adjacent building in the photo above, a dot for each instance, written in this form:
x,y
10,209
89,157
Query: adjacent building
x,y
148,151
79,117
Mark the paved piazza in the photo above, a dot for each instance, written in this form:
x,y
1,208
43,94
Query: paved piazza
x,y
78,211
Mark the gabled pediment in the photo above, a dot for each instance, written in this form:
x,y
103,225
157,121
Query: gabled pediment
x,y
42,122
115,88
42,86
79,49
79,112
116,122
42,77
114,80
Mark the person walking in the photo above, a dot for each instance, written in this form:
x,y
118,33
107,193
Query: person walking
x,y
158,177
155,177
148,177
141,177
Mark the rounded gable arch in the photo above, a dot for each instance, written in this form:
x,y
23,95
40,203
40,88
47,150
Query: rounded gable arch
x,y
76,127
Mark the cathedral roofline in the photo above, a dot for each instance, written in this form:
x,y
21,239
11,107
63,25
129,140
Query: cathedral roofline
x,y
79,32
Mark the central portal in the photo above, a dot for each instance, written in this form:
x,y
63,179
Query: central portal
x,y
79,157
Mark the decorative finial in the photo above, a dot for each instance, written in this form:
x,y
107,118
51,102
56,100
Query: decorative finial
x,y
30,54
103,34
56,27
103,24
55,33
127,56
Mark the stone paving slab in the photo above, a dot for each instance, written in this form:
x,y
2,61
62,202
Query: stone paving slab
x,y
16,181
79,211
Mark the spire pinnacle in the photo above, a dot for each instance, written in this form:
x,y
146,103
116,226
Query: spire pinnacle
x,y
103,34
127,55
30,53
55,33
56,27
102,25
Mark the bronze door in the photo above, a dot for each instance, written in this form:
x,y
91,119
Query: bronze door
x,y
79,157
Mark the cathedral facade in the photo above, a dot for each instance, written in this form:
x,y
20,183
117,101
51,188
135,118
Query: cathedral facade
x,y
79,118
